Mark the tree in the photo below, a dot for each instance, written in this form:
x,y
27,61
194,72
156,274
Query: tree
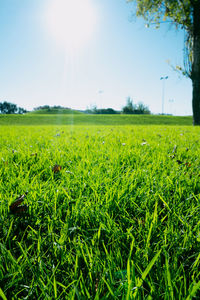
x,y
142,109
130,107
136,109
11,108
21,110
8,108
106,111
45,107
186,15
101,111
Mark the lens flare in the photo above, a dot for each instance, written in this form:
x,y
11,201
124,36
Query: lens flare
x,y
71,22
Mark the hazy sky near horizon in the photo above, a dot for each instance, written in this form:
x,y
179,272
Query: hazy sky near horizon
x,y
61,52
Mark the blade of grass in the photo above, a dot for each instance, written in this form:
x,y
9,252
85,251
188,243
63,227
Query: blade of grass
x,y
146,271
55,287
169,278
108,286
9,230
2,294
195,288
129,279
196,262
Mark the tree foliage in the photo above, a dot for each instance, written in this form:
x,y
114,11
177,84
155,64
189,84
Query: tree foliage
x,y
46,107
11,108
101,111
136,109
179,13
186,15
106,111
50,108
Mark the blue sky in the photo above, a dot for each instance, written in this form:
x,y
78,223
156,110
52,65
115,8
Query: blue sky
x,y
118,58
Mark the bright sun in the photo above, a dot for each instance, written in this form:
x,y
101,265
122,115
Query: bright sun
x,y
71,22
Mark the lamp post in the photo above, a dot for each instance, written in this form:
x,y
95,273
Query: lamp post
x,y
163,92
171,101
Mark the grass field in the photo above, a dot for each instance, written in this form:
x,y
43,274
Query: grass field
x,y
112,211
83,119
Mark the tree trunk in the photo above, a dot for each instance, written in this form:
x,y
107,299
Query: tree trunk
x,y
196,64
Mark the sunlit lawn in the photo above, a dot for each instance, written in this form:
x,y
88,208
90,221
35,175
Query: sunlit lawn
x,y
112,212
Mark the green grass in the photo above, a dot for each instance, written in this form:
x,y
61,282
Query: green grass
x,y
83,119
120,220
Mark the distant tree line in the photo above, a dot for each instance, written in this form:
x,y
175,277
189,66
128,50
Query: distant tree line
x,y
11,108
102,111
106,111
129,108
49,108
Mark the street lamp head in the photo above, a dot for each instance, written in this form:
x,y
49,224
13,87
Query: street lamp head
x,y
166,77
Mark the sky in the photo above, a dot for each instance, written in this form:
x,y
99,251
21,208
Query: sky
x,y
85,53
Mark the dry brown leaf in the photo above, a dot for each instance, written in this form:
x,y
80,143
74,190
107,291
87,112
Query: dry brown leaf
x,y
16,207
56,168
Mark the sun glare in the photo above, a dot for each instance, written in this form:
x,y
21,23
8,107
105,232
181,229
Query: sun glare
x,y
71,22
